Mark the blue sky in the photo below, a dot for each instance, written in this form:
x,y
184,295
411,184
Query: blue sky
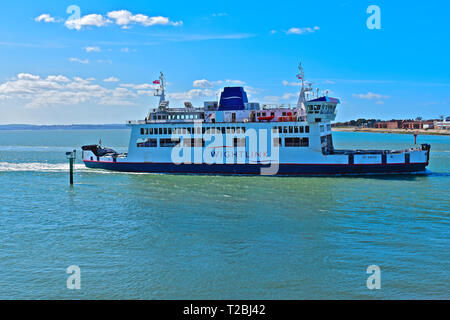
x,y
54,72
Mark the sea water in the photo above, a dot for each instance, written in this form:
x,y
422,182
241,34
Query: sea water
x,y
147,236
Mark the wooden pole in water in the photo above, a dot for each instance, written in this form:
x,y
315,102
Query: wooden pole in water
x,y
71,156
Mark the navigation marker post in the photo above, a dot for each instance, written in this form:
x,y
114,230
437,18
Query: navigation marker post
x,y
71,156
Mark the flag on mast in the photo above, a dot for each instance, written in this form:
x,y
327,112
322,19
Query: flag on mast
x,y
157,82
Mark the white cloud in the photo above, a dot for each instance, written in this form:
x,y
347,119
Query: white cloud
x,y
45,18
193,94
111,79
27,76
59,90
145,92
122,18
203,83
291,84
284,97
370,96
96,20
143,86
379,102
92,49
125,50
302,30
273,31
58,78
125,18
82,61
235,82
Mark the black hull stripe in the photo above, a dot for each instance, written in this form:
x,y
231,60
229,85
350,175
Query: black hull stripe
x,y
255,169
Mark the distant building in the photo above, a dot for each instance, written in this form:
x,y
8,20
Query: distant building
x,y
393,124
416,124
442,125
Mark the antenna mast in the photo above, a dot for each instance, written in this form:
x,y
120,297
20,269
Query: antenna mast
x,y
302,96
161,92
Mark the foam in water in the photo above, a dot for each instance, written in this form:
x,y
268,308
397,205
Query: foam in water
x,y
37,167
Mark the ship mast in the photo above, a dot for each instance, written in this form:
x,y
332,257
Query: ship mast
x,y
302,98
161,93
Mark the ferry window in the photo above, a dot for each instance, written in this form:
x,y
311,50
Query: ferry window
x,y
165,130
322,129
258,114
302,129
151,131
188,143
238,130
232,129
305,142
284,114
142,131
291,129
160,131
147,143
228,129
274,129
218,130
146,131
295,129
285,130
199,143
178,116
277,142
223,130
329,127
272,114
170,130
243,129
203,130
280,130
168,143
292,142
239,142
307,129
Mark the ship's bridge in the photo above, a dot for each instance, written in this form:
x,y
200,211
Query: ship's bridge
x,y
322,109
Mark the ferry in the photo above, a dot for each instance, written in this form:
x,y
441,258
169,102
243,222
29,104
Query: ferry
x,y
233,136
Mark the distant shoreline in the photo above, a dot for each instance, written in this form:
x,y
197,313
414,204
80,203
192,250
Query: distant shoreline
x,y
18,127
29,127
396,131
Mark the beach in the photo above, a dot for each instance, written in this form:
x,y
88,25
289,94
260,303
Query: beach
x,y
397,131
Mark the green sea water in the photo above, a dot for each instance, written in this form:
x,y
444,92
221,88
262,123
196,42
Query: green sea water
x,y
146,236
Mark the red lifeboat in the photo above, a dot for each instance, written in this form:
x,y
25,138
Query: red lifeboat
x,y
267,118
